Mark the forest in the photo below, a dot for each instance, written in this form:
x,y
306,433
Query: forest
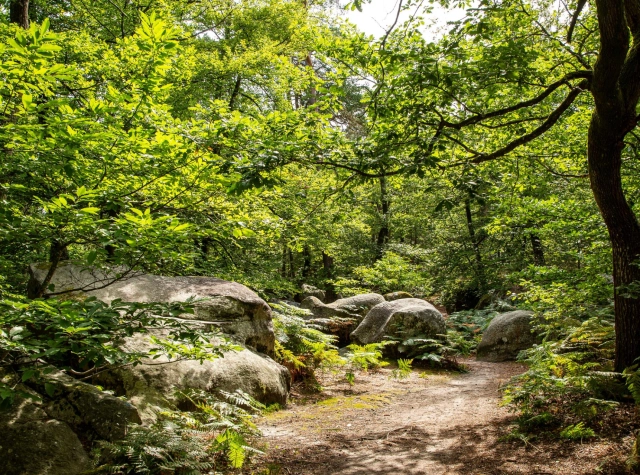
x,y
204,203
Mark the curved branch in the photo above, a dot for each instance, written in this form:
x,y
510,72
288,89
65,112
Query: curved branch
x,y
528,103
525,139
574,19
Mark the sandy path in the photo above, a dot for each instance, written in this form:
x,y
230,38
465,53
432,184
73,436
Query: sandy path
x,y
423,425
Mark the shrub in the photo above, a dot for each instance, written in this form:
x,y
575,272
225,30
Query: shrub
x,y
392,272
211,437
84,337
301,346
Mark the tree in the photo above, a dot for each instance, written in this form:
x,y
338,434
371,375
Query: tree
x,y
449,104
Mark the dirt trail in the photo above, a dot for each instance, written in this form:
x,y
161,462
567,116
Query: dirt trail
x,y
426,424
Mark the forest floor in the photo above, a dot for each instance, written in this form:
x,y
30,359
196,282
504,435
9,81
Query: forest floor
x,y
429,423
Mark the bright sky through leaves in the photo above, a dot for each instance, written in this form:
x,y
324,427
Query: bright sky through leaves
x,y
376,17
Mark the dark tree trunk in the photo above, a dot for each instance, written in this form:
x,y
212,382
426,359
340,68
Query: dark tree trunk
x,y
476,246
615,87
383,233
605,160
292,270
538,251
327,266
283,269
19,13
306,261
235,93
58,252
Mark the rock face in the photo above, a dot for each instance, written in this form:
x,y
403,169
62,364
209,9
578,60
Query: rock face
x,y
86,409
414,316
351,307
397,296
506,335
154,385
239,311
311,291
31,443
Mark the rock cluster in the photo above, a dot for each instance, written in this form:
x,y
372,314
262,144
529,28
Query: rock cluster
x,y
70,411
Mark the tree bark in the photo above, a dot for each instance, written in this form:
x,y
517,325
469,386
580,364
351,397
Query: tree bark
x,y
327,265
616,90
306,261
292,269
538,251
19,13
283,269
605,160
383,233
235,92
476,246
58,252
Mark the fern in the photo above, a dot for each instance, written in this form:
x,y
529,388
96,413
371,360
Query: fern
x,y
366,357
182,442
577,432
404,369
301,346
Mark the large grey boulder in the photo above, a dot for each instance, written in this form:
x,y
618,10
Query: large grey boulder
x,y
506,335
236,309
153,385
350,307
311,291
412,317
32,443
85,408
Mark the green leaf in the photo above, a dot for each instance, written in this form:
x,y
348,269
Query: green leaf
x,y
91,257
90,210
50,389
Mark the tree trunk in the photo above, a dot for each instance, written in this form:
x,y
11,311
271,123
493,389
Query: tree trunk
x,y
605,160
235,93
538,251
292,269
476,246
19,13
383,233
306,262
283,269
327,265
58,252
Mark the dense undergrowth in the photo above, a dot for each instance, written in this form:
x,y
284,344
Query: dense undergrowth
x,y
132,139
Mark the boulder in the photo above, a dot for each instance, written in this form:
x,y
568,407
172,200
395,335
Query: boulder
x,y
85,408
411,316
506,335
153,385
237,310
311,291
397,296
31,443
350,307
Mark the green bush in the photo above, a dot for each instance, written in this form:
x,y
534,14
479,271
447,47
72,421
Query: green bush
x,y
301,346
391,273
84,337
211,437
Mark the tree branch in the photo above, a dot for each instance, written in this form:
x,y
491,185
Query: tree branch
x,y
546,125
574,19
524,104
